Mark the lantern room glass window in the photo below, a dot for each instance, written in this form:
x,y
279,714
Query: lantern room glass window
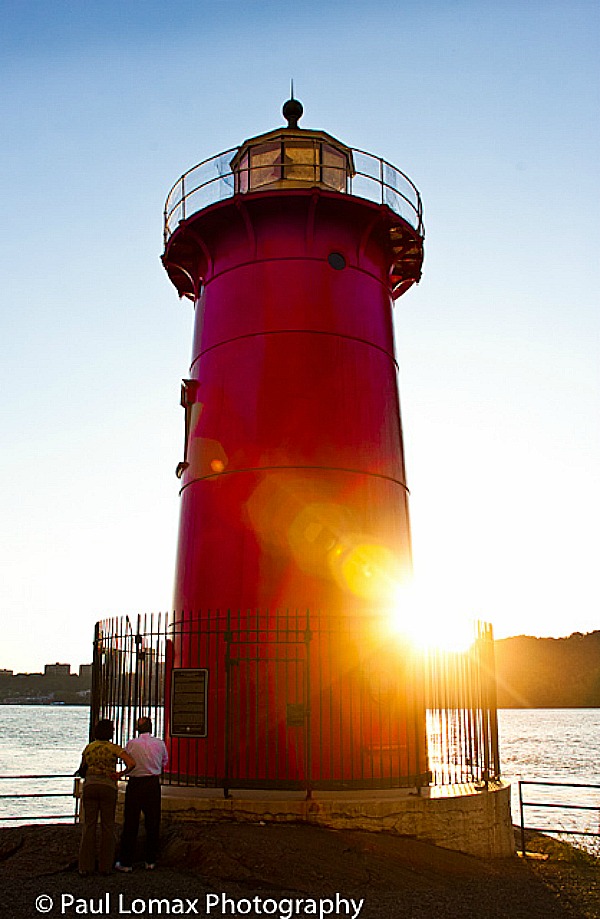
x,y
289,162
265,164
300,162
334,168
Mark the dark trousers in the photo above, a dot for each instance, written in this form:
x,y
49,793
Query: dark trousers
x,y
141,797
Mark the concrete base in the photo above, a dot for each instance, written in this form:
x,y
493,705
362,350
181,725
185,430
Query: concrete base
x,y
465,818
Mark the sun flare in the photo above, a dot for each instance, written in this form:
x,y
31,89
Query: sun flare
x,y
429,620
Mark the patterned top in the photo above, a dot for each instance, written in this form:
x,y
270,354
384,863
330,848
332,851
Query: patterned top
x,y
101,757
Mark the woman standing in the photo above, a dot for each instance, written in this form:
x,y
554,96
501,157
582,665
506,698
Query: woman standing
x,y
100,797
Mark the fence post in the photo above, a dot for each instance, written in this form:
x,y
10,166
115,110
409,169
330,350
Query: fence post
x,y
228,638
96,680
485,700
418,674
307,717
490,669
137,649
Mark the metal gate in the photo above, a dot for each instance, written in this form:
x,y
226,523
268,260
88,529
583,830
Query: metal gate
x,y
267,730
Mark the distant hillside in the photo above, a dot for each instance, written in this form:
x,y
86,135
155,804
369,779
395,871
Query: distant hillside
x,y
549,672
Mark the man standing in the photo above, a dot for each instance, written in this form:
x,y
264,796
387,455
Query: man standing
x,y
142,795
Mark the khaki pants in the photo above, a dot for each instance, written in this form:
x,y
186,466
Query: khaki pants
x,y
99,799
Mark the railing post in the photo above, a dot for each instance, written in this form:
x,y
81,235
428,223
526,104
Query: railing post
x,y
522,815
77,790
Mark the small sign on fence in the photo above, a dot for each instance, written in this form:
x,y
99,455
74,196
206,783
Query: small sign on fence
x,y
188,702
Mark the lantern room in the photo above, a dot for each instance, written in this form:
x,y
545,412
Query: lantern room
x,y
292,158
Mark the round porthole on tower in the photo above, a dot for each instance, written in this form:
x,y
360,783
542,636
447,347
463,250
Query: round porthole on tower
x,y
336,260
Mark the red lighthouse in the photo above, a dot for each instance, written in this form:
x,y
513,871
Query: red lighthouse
x,y
294,524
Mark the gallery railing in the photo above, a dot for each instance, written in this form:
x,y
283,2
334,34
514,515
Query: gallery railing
x,y
215,180
333,685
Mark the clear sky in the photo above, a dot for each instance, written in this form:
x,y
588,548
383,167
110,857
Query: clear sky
x,y
491,108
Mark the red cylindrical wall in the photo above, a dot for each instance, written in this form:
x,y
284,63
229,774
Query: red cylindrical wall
x,y
293,486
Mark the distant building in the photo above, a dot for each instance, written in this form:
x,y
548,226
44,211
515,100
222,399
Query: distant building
x,y
57,669
5,672
85,670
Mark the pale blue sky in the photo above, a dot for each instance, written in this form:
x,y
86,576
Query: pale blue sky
x,y
492,109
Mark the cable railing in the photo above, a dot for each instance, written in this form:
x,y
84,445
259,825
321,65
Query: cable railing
x,y
215,179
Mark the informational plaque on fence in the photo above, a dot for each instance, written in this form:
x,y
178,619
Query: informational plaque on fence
x,y
188,702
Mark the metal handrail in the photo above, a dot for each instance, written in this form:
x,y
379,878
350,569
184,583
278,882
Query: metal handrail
x,y
42,794
553,804
214,180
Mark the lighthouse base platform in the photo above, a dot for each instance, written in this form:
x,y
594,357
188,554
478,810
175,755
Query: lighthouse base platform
x,y
466,818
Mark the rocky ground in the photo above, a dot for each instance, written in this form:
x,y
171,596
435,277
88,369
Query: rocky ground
x,y
294,870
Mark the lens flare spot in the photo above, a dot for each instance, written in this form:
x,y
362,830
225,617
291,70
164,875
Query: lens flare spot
x,y
316,530
366,569
207,457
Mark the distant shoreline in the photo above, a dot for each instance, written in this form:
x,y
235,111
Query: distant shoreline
x,y
12,704
540,708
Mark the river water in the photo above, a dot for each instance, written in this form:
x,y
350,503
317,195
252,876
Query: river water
x,y
560,745
553,745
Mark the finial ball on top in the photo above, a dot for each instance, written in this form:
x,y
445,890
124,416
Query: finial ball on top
x,y
292,112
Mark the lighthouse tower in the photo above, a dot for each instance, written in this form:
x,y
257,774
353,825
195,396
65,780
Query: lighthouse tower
x,y
294,527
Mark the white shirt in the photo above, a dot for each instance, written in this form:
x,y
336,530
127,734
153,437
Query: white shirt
x,y
150,755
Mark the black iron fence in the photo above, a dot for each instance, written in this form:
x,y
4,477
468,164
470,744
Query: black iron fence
x,y
128,672
289,699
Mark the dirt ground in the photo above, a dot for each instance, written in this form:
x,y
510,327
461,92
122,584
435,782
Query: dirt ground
x,y
288,870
